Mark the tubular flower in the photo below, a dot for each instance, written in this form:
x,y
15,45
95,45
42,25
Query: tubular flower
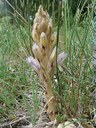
x,y
34,63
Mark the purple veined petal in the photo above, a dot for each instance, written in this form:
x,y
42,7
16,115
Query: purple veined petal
x,y
34,63
61,57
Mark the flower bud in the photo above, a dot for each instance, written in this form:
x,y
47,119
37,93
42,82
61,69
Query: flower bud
x,y
53,55
43,25
40,10
53,40
35,36
43,40
36,51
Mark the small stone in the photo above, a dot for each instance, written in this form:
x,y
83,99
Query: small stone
x,y
67,124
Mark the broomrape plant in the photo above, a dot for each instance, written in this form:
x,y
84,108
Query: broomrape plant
x,y
44,60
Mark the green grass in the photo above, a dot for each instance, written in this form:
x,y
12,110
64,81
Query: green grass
x,y
15,74
75,76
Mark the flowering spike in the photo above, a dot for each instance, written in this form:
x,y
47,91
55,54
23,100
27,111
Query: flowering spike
x,y
45,56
